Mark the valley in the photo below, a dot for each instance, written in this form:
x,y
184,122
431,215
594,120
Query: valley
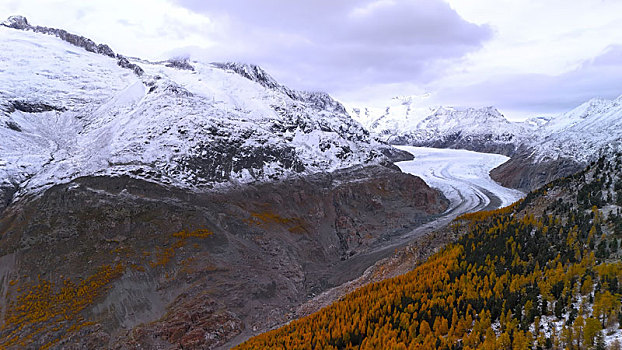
x,y
463,178
190,204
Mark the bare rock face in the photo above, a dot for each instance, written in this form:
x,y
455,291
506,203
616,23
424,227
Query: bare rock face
x,y
192,322
169,268
215,161
396,155
180,64
31,107
13,126
17,22
522,173
125,63
7,190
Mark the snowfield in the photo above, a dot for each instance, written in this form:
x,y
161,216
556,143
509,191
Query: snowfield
x,y
462,176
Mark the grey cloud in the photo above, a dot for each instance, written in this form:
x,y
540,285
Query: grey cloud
x,y
328,45
536,93
611,57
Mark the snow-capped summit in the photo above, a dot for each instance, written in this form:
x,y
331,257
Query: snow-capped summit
x,y
401,113
469,121
595,107
404,122
69,109
537,121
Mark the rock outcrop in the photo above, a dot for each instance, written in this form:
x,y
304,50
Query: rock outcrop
x,y
180,63
526,174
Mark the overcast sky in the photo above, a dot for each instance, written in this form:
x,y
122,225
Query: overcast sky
x,y
525,57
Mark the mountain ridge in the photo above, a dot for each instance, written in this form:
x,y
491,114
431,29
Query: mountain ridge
x,y
479,129
176,122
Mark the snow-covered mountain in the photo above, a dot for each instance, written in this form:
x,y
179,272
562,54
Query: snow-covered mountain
x,y
401,114
71,108
541,148
579,134
480,129
594,126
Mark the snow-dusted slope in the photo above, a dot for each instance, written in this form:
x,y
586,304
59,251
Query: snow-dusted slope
x,y
67,112
484,123
594,126
482,129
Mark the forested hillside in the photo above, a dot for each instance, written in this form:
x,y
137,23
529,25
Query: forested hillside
x,y
543,273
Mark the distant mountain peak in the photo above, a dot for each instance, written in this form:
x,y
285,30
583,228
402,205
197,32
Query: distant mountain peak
x,y
538,121
482,129
577,134
410,99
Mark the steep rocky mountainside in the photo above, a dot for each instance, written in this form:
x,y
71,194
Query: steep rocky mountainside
x,y
71,108
524,172
583,131
128,263
542,149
